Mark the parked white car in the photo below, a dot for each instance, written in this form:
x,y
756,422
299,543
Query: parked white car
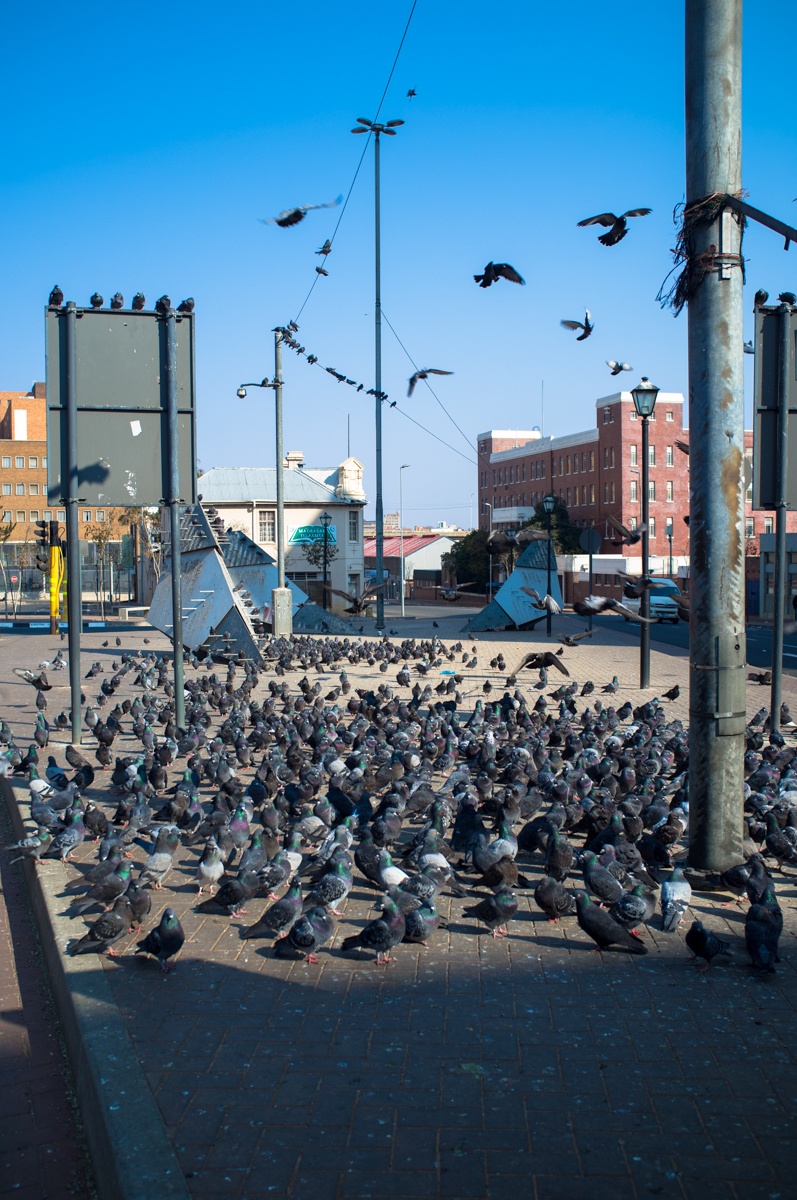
x,y
662,604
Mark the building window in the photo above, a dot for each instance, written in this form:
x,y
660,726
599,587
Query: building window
x,y
749,527
584,461
20,489
33,489
61,514
575,464
267,531
668,417
633,456
47,515
652,455
44,463
33,462
34,514
592,493
86,514
542,469
611,456
605,458
7,515
652,527
652,489
561,472
606,416
748,495
19,461
632,523
669,456
493,477
6,461
634,492
611,493
524,472
584,494
6,489
592,460
567,464
669,491
632,414
354,526
767,524
100,514
20,515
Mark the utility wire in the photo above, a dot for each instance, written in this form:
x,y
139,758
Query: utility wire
x,y
426,381
362,156
434,435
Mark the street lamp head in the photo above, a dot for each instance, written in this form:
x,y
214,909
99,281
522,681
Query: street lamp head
x,y
325,519
644,397
549,504
389,132
241,393
363,121
392,124
405,465
360,129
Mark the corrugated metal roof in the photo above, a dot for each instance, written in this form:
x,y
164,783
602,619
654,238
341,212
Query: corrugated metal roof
x,y
391,547
232,485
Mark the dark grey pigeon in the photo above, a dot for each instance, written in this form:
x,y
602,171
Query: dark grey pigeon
x,y
310,932
496,911
598,881
278,920
762,929
421,923
704,944
106,930
380,935
554,899
603,929
165,941
633,908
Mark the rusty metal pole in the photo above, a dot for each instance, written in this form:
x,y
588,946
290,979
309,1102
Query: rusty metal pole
x,y
716,418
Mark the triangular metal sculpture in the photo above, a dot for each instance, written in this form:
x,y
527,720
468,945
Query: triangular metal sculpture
x,y
215,617
511,608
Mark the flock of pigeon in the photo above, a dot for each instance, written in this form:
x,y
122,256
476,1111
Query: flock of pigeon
x,y
299,792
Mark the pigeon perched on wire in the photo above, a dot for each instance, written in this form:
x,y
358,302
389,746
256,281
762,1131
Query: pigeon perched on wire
x,y
586,326
617,367
617,225
424,374
495,271
292,216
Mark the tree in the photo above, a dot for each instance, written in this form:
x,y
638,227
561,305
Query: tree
x,y
102,533
468,560
314,552
6,530
564,535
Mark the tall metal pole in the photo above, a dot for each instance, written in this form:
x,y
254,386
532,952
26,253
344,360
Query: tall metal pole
x,y
716,416
781,561
380,595
589,625
401,532
326,535
174,515
74,589
548,592
644,601
280,533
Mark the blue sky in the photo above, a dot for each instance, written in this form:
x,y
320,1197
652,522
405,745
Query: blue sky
x,y
140,145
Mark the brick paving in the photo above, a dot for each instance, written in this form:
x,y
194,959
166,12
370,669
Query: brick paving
x,y
42,1151
476,1067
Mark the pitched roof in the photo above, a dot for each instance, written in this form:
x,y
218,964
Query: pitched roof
x,y
234,485
391,547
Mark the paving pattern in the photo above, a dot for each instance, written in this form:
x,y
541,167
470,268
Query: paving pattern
x,y
529,1066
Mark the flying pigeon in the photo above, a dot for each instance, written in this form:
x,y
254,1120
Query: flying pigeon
x,y
617,225
586,325
292,216
423,374
495,271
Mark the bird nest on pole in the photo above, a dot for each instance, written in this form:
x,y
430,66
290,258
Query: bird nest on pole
x,y
695,267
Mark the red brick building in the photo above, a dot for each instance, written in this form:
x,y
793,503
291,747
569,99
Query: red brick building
x,y
599,471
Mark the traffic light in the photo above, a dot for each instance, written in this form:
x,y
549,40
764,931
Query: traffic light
x,y
43,546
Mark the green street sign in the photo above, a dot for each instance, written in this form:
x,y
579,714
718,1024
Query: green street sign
x,y
311,533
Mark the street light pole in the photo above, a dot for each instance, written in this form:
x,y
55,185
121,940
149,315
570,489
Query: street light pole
x,y
281,597
402,469
366,126
549,503
325,520
644,397
489,531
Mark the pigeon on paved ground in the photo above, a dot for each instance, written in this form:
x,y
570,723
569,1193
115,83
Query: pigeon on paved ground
x,y
165,941
380,935
310,932
676,896
603,930
277,920
704,944
495,911
106,930
762,930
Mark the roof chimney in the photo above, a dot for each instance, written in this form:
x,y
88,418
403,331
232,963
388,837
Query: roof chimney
x,y
294,459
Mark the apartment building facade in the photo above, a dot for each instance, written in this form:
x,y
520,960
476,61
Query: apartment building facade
x,y
23,462
598,472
